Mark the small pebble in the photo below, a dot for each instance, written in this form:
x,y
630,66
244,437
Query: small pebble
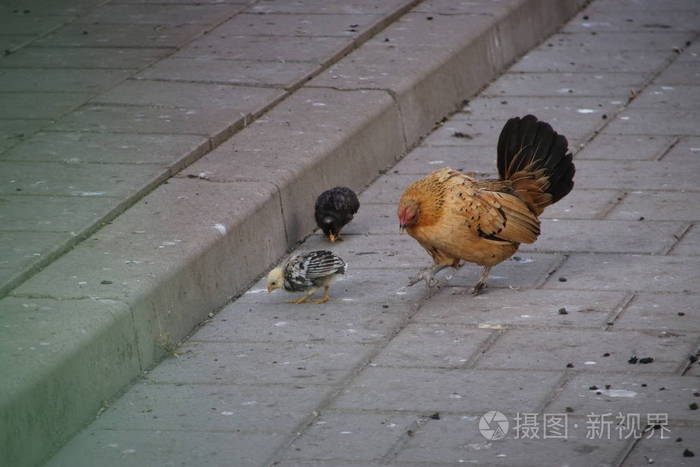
x,y
562,311
568,409
593,388
606,354
646,360
688,453
632,360
569,365
693,406
562,279
435,416
678,440
680,313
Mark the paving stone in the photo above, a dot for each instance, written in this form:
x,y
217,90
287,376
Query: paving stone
x,y
236,100
679,72
625,147
674,97
21,23
689,245
606,236
660,205
351,436
147,119
523,269
49,7
39,105
666,452
659,312
432,345
467,130
288,48
20,249
301,146
242,408
459,7
83,57
627,395
583,204
629,272
272,24
216,449
71,346
121,35
372,219
13,42
106,148
83,81
48,178
387,189
574,117
436,390
647,19
562,84
480,160
259,363
53,214
574,60
686,150
283,74
168,14
15,131
663,122
530,307
456,439
637,175
585,42
127,258
325,7
554,350
376,251
341,322
355,286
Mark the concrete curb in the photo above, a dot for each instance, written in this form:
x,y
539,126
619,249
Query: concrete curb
x,y
122,299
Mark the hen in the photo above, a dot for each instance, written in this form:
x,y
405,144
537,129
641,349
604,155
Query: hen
x,y
335,208
456,217
306,273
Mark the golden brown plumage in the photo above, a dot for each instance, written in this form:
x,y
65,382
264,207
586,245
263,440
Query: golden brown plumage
x,y
456,217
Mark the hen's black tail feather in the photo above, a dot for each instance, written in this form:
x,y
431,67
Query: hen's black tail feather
x,y
528,145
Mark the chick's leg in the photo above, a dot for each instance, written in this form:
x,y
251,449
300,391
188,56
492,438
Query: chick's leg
x,y
428,275
325,297
305,298
482,280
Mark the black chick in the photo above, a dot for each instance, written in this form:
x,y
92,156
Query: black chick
x,y
334,209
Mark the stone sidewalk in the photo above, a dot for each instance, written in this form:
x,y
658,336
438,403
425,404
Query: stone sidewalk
x,y
586,341
110,253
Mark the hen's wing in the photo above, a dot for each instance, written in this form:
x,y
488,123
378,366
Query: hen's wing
x,y
491,214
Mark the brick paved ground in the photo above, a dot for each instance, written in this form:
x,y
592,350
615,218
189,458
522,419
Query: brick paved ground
x,y
386,374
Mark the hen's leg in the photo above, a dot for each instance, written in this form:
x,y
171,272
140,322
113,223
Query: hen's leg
x,y
306,296
482,280
428,275
325,297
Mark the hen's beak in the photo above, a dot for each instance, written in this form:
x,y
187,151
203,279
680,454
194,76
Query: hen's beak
x,y
332,237
402,228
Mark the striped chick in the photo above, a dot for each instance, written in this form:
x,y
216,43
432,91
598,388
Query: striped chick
x,y
306,273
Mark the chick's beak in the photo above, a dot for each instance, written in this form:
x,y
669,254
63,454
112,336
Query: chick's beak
x,y
270,289
332,237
